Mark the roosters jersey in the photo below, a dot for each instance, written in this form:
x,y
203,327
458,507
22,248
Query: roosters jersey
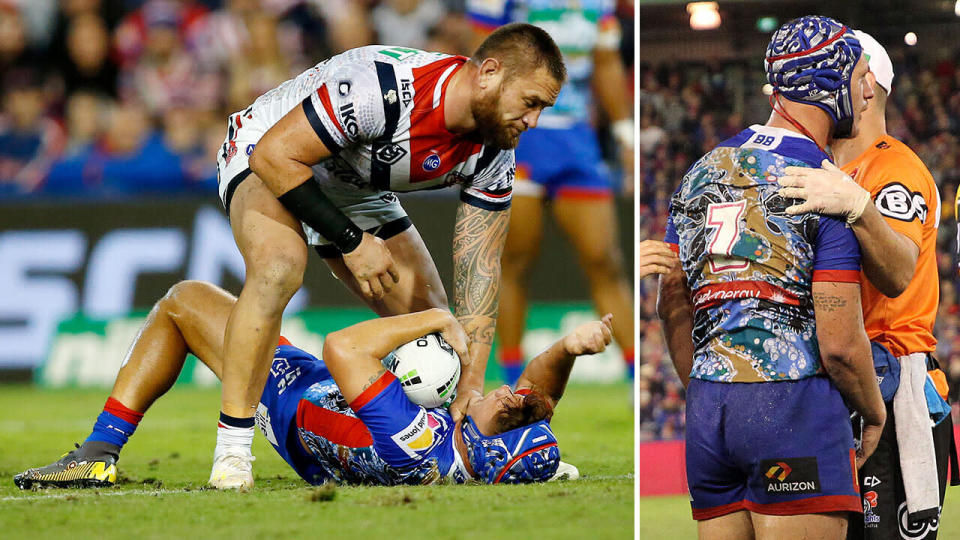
x,y
380,111
750,265
578,28
907,197
381,438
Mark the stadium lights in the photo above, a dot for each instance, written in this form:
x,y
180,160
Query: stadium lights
x,y
704,15
910,38
956,8
769,24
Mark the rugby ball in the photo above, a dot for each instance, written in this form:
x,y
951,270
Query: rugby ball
x,y
428,369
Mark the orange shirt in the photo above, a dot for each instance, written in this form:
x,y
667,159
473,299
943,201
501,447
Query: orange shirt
x,y
907,197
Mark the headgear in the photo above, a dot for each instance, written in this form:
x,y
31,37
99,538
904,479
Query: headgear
x,y
522,455
810,60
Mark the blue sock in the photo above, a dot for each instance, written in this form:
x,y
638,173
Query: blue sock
x,y
111,429
511,373
630,372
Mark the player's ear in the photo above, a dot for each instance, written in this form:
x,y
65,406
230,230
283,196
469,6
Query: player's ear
x,y
490,73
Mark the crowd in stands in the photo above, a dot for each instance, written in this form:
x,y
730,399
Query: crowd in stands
x,y
105,98
685,110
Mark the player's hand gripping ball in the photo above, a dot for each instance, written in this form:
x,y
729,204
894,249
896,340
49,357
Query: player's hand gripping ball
x,y
428,369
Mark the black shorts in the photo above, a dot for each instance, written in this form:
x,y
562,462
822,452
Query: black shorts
x,y
881,487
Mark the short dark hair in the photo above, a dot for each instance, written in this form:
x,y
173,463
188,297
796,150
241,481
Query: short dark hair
x,y
521,45
533,408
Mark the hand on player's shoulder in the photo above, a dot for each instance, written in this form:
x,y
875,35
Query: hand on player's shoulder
x,y
656,257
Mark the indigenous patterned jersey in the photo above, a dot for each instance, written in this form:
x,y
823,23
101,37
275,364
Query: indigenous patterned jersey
x,y
578,28
749,265
381,438
907,197
380,110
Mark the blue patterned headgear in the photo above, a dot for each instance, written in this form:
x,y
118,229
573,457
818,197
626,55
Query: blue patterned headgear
x,y
810,60
519,456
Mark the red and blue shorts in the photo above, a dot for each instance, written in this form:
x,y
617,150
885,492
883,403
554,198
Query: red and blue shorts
x,y
566,163
778,448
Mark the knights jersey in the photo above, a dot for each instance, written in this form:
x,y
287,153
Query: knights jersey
x,y
381,438
749,265
578,28
380,111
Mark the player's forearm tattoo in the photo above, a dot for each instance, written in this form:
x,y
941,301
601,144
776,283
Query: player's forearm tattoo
x,y
373,379
828,302
478,240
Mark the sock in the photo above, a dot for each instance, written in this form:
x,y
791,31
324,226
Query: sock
x,y
511,361
628,360
234,432
115,425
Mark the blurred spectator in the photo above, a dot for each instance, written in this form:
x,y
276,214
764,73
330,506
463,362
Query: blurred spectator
x,y
651,134
130,158
406,22
29,140
85,64
184,17
14,50
260,66
452,35
85,117
166,74
347,23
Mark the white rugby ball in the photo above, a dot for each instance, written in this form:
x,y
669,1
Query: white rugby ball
x,y
428,369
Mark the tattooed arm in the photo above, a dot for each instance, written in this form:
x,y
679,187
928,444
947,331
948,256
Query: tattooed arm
x,y
846,356
353,354
478,240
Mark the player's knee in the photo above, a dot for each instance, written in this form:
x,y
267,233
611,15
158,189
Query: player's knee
x,y
279,273
516,265
180,294
602,263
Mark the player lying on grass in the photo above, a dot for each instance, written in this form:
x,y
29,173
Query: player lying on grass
x,y
344,418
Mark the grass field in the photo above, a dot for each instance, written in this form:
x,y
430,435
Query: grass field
x,y
165,465
668,518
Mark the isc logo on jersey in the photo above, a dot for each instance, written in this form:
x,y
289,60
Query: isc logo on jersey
x,y
419,437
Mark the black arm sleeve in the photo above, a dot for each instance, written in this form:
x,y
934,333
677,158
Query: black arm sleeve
x,y
309,204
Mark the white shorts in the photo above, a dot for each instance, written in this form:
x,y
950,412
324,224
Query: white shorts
x,y
374,211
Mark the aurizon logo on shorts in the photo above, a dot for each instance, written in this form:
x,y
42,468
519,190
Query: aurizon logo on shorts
x,y
801,475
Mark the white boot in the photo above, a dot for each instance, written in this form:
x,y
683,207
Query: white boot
x,y
232,469
565,471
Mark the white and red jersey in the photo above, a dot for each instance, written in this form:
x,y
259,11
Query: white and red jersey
x,y
379,109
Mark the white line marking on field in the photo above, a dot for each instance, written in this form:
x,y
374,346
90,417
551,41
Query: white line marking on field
x,y
606,477
32,496
36,496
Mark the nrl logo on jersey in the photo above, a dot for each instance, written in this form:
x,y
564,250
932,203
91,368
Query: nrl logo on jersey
x,y
390,153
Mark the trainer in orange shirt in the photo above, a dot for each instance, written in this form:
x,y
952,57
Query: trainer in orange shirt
x,y
893,206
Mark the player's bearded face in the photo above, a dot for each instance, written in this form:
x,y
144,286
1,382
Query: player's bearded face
x,y
491,121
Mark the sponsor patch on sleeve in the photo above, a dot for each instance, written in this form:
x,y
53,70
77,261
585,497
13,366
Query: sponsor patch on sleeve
x,y
896,201
419,436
